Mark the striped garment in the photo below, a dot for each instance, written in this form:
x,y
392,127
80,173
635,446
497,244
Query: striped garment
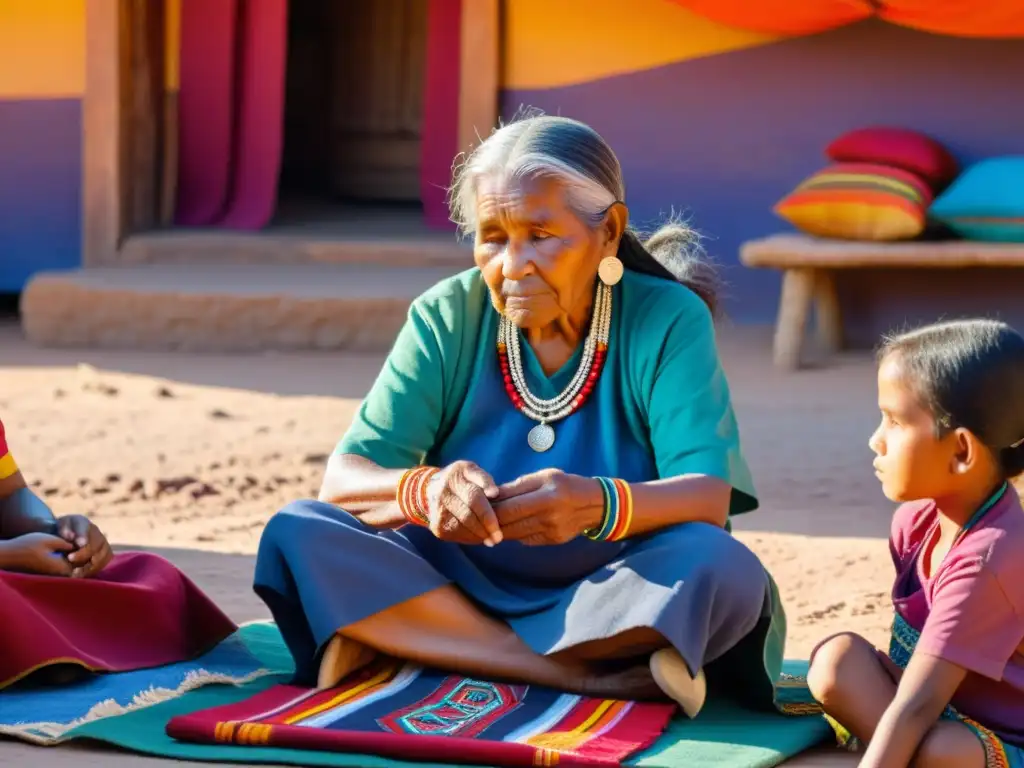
x,y
7,465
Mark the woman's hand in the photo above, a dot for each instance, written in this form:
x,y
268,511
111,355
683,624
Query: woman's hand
x,y
40,553
92,550
459,500
549,507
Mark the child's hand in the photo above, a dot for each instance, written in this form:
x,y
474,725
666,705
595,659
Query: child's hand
x,y
39,553
92,551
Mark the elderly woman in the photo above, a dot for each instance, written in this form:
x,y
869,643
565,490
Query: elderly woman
x,y
538,486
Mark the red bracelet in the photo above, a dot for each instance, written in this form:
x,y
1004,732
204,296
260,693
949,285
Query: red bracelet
x,y
411,494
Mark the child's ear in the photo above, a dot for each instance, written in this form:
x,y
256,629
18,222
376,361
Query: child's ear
x,y
966,450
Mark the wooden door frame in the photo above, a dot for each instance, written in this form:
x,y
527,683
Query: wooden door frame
x,y
122,112
103,153
480,51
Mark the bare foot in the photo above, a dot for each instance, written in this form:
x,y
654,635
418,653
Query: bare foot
x,y
673,677
342,657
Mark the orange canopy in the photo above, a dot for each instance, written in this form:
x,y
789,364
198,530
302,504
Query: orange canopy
x,y
963,18
781,17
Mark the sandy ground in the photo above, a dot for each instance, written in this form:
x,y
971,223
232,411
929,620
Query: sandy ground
x,y
191,454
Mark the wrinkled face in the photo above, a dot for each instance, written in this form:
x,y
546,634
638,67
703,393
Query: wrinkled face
x,y
910,461
538,258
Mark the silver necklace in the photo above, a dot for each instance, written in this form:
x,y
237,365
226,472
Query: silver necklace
x,y
542,436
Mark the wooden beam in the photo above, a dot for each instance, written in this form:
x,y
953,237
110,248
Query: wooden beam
x,y
797,251
169,167
122,124
828,313
794,310
103,151
142,114
479,70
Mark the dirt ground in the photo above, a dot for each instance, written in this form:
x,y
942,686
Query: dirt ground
x,y
189,455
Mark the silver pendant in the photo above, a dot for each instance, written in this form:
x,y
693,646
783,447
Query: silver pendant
x,y
541,438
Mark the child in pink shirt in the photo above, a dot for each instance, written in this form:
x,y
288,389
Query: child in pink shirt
x,y
950,692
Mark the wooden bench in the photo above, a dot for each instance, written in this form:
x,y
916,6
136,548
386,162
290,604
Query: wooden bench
x,y
809,266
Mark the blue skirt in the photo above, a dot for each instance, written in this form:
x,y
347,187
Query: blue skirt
x,y
320,569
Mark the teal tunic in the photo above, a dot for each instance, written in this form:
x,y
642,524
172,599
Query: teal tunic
x,y
662,391
661,409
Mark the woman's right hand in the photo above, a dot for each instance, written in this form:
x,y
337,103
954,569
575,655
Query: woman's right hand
x,y
39,553
459,500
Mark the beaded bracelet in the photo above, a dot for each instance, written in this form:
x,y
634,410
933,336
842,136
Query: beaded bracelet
x,y
618,511
411,494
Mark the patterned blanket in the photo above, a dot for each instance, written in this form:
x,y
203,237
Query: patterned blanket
x,y
403,711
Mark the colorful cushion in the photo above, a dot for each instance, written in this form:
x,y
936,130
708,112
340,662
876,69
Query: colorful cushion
x,y
859,201
986,202
899,147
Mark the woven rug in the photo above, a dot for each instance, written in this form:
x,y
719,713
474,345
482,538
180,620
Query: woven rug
x,y
49,715
136,713
403,711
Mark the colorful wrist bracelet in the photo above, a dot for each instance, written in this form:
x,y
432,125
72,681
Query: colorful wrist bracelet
x,y
411,494
618,511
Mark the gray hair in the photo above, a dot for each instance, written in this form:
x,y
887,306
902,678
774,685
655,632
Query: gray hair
x,y
574,154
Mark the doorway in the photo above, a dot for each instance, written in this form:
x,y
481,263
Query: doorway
x,y
353,110
128,46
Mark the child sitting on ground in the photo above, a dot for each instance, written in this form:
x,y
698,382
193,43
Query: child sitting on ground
x,y
950,692
69,605
32,540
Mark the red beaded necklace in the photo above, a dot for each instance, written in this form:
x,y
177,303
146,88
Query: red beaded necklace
x,y
576,393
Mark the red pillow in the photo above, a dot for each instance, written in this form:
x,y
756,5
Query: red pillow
x,y
898,147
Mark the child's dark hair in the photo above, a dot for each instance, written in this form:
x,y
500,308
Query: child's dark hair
x,y
969,374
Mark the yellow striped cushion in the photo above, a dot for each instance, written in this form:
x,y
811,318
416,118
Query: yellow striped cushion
x,y
859,201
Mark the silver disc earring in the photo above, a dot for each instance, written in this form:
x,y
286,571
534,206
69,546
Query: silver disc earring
x,y
610,270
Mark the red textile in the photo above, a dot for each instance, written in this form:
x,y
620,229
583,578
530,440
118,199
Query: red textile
x,y
397,710
440,142
7,465
206,96
4,450
259,114
963,18
139,612
782,17
898,147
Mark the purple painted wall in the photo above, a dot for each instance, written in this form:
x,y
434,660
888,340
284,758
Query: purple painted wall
x,y
40,188
724,137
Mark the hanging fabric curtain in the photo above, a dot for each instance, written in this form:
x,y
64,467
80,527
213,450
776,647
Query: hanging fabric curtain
x,y
206,95
230,111
961,18
783,17
229,60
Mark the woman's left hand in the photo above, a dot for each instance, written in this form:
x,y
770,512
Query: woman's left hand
x,y
548,507
92,551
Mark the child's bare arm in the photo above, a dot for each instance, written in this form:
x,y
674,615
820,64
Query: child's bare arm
x,y
21,511
924,691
